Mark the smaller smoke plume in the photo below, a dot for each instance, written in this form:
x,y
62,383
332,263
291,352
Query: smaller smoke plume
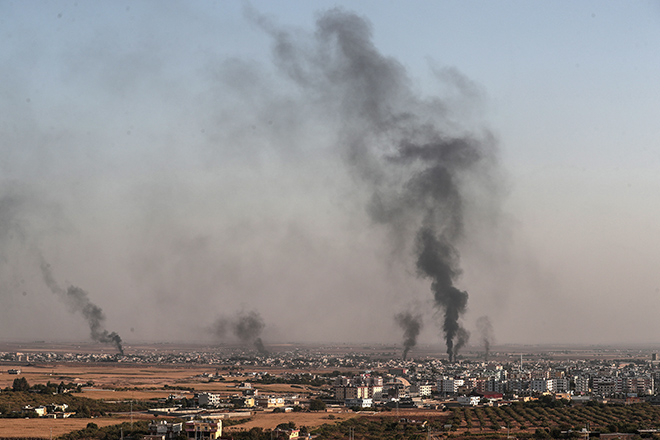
x,y
79,302
259,345
485,329
462,338
247,327
411,326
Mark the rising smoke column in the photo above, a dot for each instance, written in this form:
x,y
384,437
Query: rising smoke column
x,y
247,327
434,261
411,326
410,152
485,329
78,301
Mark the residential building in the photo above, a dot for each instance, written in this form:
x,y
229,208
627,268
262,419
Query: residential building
x,y
203,429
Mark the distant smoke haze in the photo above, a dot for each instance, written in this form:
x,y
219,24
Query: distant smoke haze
x,y
401,146
246,327
313,183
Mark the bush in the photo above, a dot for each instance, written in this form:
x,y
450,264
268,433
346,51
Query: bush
x,y
317,405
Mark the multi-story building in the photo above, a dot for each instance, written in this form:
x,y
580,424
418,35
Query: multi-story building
x,y
203,429
208,399
582,384
541,385
639,385
607,385
561,385
352,392
449,386
164,430
420,389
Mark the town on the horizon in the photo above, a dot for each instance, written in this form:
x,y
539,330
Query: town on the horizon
x,y
375,375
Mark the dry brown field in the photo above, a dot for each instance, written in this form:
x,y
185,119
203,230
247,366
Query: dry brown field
x,y
42,427
313,419
144,382
271,420
113,376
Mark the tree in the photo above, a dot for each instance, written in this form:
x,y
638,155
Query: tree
x,y
317,405
20,384
284,426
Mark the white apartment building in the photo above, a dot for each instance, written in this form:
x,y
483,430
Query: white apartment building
x,y
541,385
418,389
449,385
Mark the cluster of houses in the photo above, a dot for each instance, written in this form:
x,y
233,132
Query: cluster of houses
x,y
403,389
249,398
204,429
53,410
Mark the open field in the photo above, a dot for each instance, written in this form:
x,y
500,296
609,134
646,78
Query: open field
x,y
113,376
311,419
134,382
43,427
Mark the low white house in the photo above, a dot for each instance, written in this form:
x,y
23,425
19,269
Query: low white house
x,y
360,403
468,400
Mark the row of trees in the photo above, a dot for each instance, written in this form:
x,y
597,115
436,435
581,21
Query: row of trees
x,y
21,384
524,417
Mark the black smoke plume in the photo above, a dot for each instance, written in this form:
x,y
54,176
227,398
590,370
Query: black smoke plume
x,y
419,161
485,329
411,326
435,261
247,327
78,301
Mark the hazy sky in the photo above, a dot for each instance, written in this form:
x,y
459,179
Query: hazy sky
x,y
167,159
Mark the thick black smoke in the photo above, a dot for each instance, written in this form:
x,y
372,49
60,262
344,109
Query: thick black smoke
x,y
247,327
411,326
485,329
411,152
436,261
78,301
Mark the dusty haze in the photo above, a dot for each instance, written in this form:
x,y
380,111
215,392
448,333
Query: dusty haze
x,y
179,168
